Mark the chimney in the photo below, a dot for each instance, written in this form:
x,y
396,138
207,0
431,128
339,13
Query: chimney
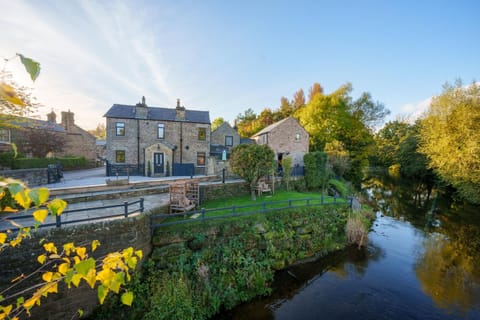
x,y
235,127
141,110
67,120
180,111
52,117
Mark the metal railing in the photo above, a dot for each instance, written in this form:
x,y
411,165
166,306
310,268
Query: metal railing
x,y
250,209
59,222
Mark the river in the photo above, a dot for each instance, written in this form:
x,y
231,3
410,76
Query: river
x,y
418,264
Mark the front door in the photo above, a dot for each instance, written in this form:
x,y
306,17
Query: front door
x,y
158,162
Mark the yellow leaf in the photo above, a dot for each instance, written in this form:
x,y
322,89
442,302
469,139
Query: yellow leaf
x,y
81,252
56,206
41,259
50,247
40,215
51,287
47,276
139,253
31,302
106,276
3,238
91,277
127,298
23,199
76,279
6,310
63,268
95,244
8,93
68,247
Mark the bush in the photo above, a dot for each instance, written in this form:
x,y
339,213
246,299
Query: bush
x,y
6,159
67,163
316,172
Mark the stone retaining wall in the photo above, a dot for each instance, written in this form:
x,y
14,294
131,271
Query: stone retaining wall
x,y
113,235
32,177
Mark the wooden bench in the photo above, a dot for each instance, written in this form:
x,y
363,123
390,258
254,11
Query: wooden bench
x,y
263,187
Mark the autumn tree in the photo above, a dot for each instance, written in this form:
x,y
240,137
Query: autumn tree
x,y
251,162
217,122
286,108
369,112
100,132
450,138
298,99
315,89
245,123
15,100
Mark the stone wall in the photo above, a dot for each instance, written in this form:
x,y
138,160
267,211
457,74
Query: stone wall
x,y
223,190
32,177
113,235
219,134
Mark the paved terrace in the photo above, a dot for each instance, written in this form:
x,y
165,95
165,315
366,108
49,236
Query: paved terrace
x,y
88,188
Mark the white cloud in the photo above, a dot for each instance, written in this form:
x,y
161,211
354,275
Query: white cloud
x,y
413,111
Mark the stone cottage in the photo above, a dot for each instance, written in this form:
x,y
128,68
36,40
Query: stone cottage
x,y
223,138
144,140
286,138
77,142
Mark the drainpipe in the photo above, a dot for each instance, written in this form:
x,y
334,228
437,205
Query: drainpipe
x,y
138,146
181,142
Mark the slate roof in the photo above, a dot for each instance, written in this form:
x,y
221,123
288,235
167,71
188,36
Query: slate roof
x,y
154,113
38,124
270,127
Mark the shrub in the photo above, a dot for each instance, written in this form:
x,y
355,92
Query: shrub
x,y
67,163
316,172
356,230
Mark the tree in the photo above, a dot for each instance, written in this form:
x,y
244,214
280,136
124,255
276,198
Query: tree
x,y
338,157
298,99
15,100
251,162
450,138
39,142
68,263
369,112
217,122
315,89
245,123
100,132
287,170
286,108
388,141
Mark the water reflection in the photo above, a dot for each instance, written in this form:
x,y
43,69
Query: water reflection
x,y
411,269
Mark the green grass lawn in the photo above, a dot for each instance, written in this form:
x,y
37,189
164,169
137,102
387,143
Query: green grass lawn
x,y
244,204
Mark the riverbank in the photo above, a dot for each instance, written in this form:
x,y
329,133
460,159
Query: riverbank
x,y
195,272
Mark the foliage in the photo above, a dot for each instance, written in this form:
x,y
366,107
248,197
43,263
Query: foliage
x,y
287,170
251,162
388,141
217,122
316,172
356,229
338,158
6,159
224,263
340,187
68,263
39,143
66,162
450,138
16,100
100,132
315,89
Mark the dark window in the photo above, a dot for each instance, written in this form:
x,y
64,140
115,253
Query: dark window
x,y
161,131
120,156
120,128
228,141
4,135
202,134
200,158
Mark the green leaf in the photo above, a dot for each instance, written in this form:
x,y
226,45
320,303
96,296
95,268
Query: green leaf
x,y
56,206
32,66
102,292
80,313
39,196
127,298
15,188
20,301
83,267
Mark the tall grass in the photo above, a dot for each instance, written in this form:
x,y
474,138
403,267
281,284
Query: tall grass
x,y
356,230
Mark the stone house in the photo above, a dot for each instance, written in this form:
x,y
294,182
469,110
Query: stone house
x,y
286,138
223,138
143,140
77,142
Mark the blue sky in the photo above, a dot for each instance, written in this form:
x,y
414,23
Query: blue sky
x,y
227,56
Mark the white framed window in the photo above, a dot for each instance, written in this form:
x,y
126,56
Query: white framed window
x,y
5,135
120,128
161,131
